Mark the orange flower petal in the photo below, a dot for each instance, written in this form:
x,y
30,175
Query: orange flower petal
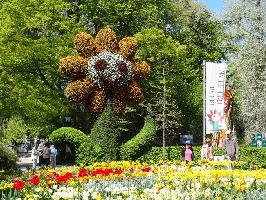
x,y
118,106
119,102
79,90
140,70
106,40
84,44
97,101
128,47
135,94
74,66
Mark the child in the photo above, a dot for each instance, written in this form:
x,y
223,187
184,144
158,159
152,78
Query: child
x,y
187,153
206,150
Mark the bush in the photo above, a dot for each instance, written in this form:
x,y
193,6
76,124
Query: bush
x,y
253,155
8,159
88,152
70,136
248,154
172,153
105,133
141,143
15,129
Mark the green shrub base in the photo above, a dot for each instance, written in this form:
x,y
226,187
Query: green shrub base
x,y
256,156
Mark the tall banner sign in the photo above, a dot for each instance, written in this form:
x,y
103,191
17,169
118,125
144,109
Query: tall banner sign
x,y
215,77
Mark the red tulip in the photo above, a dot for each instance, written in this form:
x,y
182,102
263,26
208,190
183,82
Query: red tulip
x,y
18,184
35,180
147,169
82,172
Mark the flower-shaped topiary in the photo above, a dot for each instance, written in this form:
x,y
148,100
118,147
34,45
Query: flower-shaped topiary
x,y
104,69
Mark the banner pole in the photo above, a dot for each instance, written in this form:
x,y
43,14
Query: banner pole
x,y
204,100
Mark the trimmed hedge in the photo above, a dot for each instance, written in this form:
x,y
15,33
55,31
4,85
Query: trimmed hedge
x,y
248,154
135,147
105,133
88,152
85,151
68,135
253,155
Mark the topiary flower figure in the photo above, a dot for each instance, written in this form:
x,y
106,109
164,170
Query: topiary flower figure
x,y
104,69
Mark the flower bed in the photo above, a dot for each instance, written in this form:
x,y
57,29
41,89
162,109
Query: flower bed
x,y
135,180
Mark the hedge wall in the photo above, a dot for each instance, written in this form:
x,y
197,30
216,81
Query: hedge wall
x,y
84,149
247,154
88,152
141,143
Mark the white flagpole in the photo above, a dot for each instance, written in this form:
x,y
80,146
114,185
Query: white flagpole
x,y
204,100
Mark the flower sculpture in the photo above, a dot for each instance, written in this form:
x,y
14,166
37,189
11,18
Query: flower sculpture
x,y
104,69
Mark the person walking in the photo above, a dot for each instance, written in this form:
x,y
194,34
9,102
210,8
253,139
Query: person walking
x,y
35,156
40,149
46,154
27,145
53,156
37,141
230,147
68,155
187,153
206,150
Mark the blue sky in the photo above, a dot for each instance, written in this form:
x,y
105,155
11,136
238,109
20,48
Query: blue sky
x,y
217,6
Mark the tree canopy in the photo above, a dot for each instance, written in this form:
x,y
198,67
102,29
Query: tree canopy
x,y
245,22
34,35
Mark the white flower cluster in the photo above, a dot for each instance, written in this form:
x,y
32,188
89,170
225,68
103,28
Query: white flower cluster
x,y
65,193
106,66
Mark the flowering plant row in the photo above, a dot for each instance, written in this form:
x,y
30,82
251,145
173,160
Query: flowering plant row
x,y
135,180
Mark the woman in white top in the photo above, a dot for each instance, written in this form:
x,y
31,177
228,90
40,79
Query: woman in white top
x,y
35,156
206,150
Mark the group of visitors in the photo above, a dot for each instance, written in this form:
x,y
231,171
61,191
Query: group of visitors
x,y
230,149
43,154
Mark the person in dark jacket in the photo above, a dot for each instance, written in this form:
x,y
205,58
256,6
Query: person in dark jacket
x,y
46,154
230,147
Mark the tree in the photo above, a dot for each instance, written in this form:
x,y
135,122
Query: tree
x,y
165,55
246,24
204,39
125,17
34,35
15,129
